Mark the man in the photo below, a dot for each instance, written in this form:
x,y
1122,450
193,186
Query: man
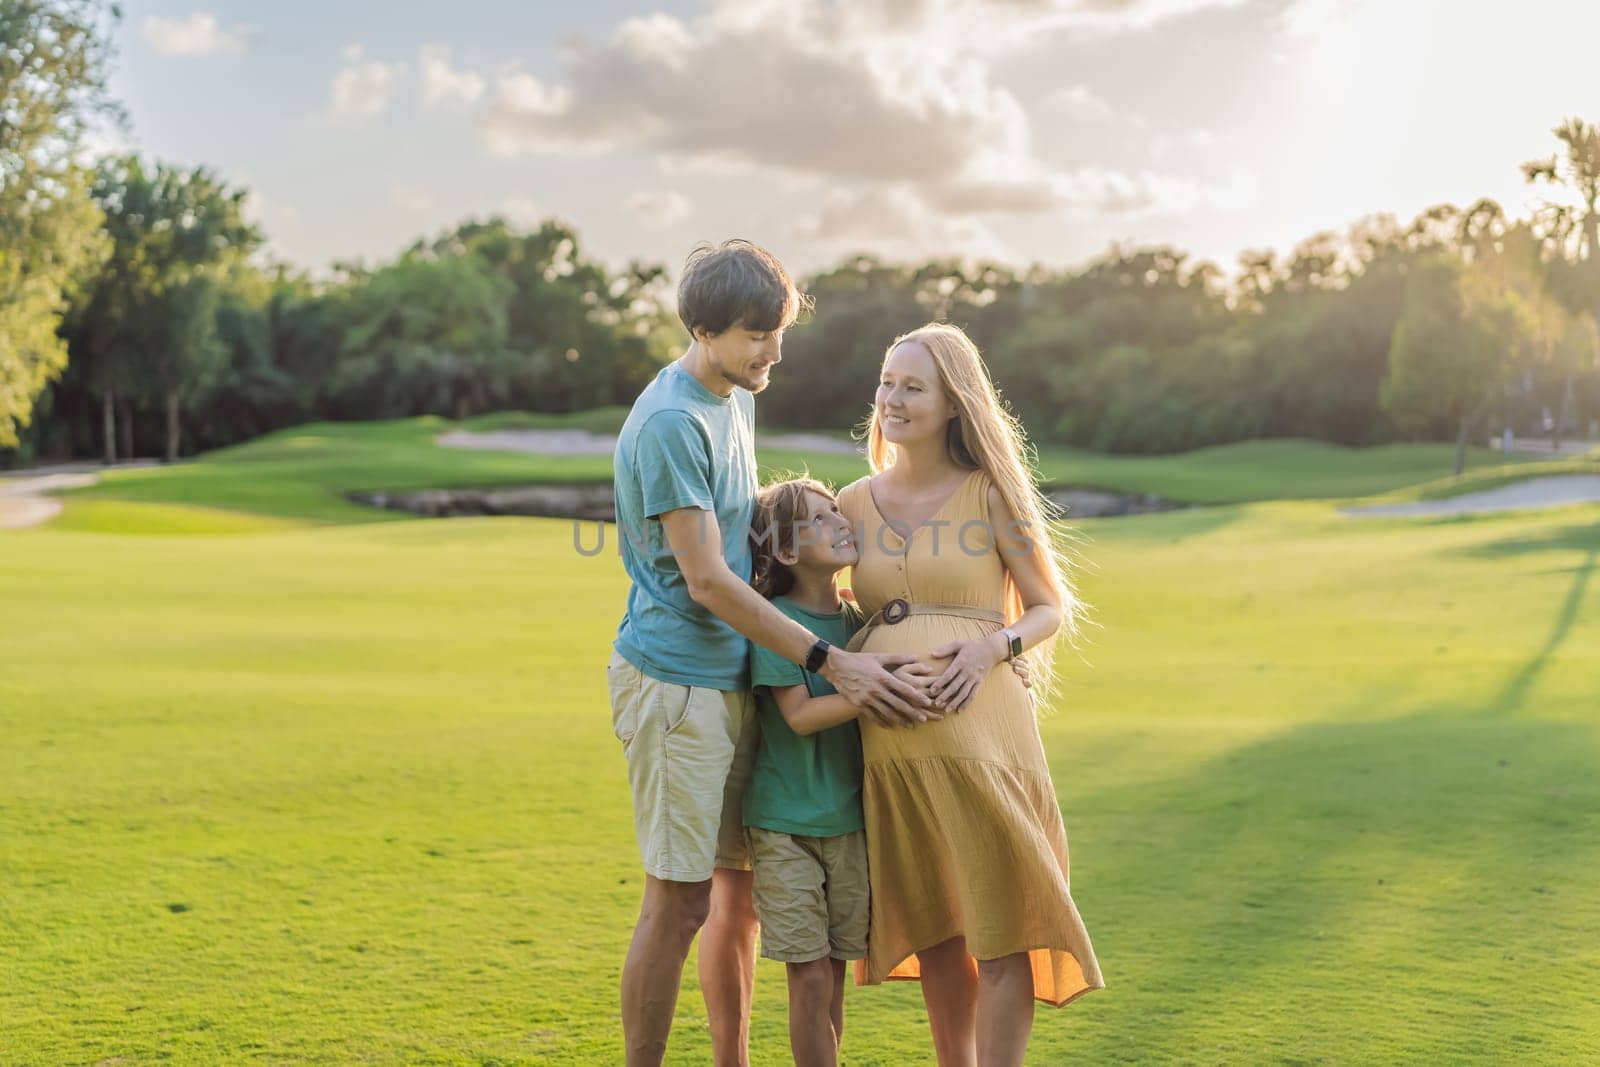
x,y
685,473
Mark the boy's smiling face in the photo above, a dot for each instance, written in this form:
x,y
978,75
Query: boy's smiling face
x,y
824,540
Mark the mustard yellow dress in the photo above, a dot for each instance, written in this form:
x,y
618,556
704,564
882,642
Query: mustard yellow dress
x,y
964,835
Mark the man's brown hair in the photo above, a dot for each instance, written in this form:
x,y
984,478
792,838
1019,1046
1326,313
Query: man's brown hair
x,y
737,283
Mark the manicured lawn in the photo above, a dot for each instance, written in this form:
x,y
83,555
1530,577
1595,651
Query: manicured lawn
x,y
302,473
348,793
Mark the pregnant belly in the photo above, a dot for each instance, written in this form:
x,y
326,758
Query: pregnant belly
x,y
985,728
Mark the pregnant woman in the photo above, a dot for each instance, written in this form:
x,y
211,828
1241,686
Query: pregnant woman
x,y
967,852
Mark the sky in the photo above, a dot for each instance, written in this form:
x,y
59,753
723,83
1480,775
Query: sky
x,y
1029,131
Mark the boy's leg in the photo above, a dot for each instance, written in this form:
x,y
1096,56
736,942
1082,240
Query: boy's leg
x,y
844,860
671,914
790,900
728,966
836,1011
812,1035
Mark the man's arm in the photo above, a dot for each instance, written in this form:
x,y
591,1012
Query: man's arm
x,y
862,678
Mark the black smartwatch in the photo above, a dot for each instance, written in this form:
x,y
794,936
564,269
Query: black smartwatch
x,y
817,656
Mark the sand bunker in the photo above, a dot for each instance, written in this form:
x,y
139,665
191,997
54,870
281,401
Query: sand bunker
x,y
584,443
23,501
1553,491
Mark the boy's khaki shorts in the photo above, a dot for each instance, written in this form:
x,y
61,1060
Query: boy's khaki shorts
x,y
811,895
689,752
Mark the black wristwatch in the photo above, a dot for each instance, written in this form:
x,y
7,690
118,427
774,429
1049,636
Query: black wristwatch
x,y
817,656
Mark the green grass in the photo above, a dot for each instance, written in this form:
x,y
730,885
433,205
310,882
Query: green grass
x,y
302,473
348,794
595,420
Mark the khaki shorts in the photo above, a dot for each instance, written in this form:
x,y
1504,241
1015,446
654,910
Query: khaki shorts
x,y
689,752
810,895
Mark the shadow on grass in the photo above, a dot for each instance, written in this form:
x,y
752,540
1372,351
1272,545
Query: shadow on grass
x,y
1169,526
1357,890
1578,537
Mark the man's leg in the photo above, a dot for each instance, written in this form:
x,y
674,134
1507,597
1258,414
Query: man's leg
x,y
669,917
728,966
728,943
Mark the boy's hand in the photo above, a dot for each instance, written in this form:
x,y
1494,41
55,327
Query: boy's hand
x,y
865,682
920,675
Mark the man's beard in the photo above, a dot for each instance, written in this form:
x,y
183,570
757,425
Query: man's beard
x,y
744,381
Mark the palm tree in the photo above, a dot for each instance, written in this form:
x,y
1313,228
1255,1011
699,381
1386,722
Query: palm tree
x,y
1574,230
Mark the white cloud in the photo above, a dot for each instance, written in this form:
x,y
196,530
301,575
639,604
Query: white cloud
x,y
269,214
895,220
893,93
103,137
410,198
442,83
770,96
521,210
199,34
362,88
1079,103
1166,142
658,209
1099,192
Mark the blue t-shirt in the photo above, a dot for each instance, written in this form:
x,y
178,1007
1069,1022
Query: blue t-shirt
x,y
683,446
811,785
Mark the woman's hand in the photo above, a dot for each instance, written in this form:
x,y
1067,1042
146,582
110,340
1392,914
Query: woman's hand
x,y
971,664
1019,664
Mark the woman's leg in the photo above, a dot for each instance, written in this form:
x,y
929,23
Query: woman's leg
x,y
812,1036
1005,1009
950,990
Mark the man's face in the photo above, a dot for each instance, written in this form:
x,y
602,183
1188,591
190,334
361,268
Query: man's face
x,y
742,356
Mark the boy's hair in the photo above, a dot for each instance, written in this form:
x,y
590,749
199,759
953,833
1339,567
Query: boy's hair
x,y
780,510
736,283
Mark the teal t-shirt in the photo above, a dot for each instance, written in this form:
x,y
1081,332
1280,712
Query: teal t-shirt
x,y
683,446
810,786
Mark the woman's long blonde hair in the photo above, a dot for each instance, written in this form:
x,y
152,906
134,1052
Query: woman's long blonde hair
x,y
985,435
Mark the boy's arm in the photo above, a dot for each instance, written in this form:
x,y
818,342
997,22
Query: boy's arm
x,y
807,714
695,539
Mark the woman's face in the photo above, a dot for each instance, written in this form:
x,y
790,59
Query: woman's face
x,y
824,538
911,405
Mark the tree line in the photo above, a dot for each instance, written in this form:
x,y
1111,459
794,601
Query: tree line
x,y
139,313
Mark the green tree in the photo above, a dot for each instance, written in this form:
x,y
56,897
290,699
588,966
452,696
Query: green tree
x,y
1463,334
426,334
53,56
148,325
